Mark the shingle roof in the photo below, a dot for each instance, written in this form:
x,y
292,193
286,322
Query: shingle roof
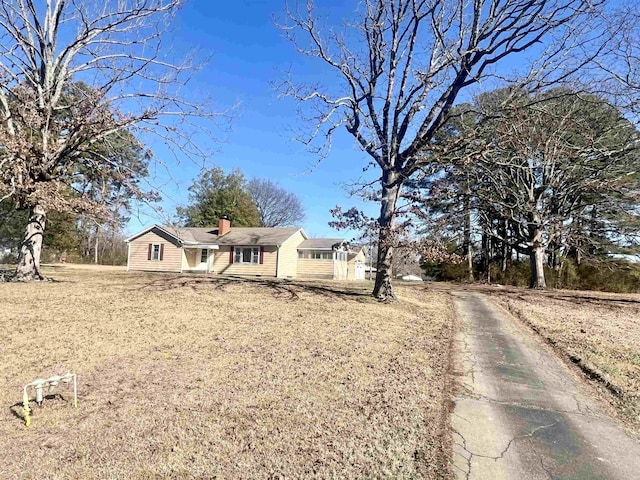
x,y
321,243
257,236
237,235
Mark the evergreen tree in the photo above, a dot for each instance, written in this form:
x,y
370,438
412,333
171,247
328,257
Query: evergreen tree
x,y
216,194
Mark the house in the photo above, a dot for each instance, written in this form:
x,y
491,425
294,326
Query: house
x,y
272,252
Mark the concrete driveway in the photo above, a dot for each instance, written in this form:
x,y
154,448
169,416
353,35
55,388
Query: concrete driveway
x,y
521,413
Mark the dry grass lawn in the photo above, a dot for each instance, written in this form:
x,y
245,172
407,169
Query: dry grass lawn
x,y
600,332
189,377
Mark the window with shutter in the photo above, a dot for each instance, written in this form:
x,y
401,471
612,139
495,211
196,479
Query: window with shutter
x,y
247,255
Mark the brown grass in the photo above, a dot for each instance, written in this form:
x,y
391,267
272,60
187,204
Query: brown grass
x,y
189,377
599,332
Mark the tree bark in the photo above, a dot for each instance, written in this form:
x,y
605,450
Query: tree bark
x,y
95,245
383,289
467,237
536,257
504,247
536,260
486,257
28,267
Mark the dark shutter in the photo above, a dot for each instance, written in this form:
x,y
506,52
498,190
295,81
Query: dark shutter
x,y
161,251
149,252
231,255
261,255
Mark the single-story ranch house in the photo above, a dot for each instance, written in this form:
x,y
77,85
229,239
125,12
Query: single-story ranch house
x,y
272,252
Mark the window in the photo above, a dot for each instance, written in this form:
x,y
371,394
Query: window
x,y
300,254
204,255
246,255
322,255
155,252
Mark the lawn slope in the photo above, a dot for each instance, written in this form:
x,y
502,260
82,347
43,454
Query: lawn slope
x,y
196,377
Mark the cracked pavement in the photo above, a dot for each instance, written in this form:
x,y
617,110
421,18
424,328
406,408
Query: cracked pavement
x,y
520,413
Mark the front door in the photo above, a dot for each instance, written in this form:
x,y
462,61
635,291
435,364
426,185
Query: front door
x,y
204,260
359,271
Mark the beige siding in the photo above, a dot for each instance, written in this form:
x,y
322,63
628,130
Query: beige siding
x,y
340,270
222,265
351,267
311,268
138,254
288,256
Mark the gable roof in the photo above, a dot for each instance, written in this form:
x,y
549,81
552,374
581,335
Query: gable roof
x,y
321,243
167,230
261,236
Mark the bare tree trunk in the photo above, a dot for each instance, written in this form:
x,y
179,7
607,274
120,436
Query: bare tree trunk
x,y
489,257
28,267
467,237
370,256
559,281
95,245
536,260
536,257
505,264
383,290
504,246
486,257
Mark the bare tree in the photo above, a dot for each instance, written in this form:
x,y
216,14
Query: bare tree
x,y
618,69
545,164
72,75
277,207
400,67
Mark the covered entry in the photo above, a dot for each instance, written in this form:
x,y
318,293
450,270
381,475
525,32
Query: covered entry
x,y
199,259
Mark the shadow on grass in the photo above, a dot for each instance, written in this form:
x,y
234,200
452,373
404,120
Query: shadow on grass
x,y
282,289
6,274
17,409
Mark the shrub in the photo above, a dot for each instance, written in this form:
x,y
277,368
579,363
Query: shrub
x,y
605,275
456,272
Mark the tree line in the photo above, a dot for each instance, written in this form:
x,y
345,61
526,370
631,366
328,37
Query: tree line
x,y
535,165
551,178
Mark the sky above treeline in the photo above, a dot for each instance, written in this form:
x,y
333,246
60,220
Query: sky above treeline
x,y
247,56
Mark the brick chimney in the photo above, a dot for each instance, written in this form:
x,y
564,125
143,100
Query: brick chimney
x,y
224,225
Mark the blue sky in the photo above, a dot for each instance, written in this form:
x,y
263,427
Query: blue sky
x,y
248,54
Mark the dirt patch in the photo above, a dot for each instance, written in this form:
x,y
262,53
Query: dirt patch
x,y
205,377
